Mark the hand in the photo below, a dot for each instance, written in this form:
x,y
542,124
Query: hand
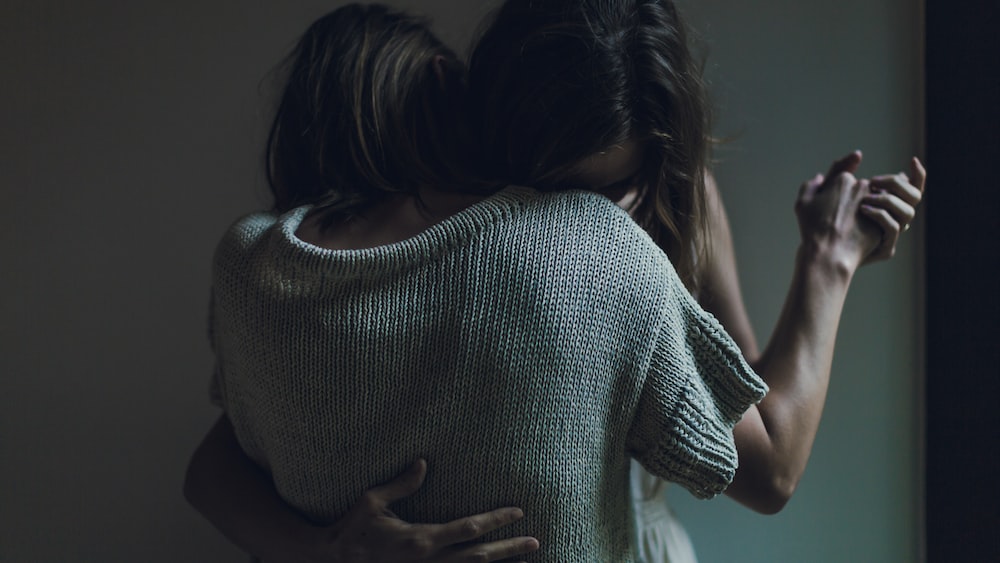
x,y
370,532
892,205
829,222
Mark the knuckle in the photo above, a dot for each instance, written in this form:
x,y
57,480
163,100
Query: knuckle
x,y
471,529
370,501
479,556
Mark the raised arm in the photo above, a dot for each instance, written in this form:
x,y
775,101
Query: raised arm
x,y
775,438
231,491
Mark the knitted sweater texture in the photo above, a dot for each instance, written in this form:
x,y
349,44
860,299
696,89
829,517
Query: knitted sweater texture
x,y
527,347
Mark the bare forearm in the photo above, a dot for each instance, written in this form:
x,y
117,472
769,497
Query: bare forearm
x,y
775,439
238,498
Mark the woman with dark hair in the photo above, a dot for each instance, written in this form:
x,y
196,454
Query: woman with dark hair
x,y
605,96
366,121
555,82
379,314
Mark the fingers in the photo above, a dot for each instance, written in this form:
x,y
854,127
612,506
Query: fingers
x,y
402,486
843,169
918,174
899,185
463,530
471,527
847,165
810,186
890,232
842,173
495,551
899,194
900,210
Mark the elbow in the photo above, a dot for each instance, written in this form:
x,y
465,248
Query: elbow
x,y
775,494
766,495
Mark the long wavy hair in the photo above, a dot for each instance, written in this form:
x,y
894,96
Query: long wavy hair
x,y
365,114
555,81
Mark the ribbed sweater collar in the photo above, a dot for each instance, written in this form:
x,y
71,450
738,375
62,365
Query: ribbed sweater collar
x,y
453,232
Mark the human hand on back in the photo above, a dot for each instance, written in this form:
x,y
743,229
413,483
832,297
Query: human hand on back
x,y
371,533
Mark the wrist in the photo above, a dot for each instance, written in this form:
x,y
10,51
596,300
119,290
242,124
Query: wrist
x,y
826,262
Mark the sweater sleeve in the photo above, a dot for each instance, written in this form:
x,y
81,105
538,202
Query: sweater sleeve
x,y
696,389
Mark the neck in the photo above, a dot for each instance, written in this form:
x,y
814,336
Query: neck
x,y
436,205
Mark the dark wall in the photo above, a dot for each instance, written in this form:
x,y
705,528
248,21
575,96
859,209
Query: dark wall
x,y
963,305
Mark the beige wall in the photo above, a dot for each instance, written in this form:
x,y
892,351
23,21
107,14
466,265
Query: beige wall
x,y
130,138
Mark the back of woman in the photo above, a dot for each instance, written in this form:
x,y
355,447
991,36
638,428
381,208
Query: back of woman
x,y
533,373
529,344
533,340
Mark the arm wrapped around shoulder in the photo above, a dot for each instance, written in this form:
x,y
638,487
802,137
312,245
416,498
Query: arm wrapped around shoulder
x,y
697,388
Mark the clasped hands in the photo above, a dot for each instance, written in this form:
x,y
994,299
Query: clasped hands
x,y
858,221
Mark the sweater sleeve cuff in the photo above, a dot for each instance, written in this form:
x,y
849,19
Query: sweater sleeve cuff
x,y
697,388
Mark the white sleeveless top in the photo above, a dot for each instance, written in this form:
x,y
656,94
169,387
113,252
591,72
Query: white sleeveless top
x,y
660,537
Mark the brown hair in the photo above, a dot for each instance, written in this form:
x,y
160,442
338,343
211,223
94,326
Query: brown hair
x,y
364,114
555,81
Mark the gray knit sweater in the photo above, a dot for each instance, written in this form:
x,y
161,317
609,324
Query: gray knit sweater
x,y
526,347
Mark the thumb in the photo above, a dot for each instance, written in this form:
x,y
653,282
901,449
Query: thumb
x,y
403,485
918,174
808,188
848,164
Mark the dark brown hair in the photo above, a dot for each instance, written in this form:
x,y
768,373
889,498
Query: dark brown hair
x,y
364,114
555,81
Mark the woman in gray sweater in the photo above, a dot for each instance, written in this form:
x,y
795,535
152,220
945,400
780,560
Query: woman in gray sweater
x,y
292,255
